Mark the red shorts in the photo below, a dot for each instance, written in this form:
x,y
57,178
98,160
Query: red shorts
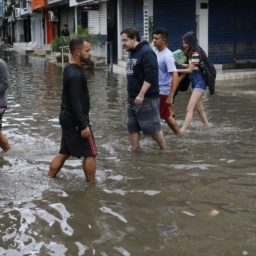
x,y
165,111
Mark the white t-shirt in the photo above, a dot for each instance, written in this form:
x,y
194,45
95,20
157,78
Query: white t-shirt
x,y
166,65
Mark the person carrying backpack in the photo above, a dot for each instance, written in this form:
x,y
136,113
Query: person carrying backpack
x,y
197,68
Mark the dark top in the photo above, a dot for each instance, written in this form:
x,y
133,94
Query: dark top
x,y
75,102
64,32
142,66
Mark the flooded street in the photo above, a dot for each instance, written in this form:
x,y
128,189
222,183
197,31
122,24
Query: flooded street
x,y
195,199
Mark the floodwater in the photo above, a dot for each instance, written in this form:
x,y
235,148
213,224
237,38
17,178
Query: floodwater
x,y
197,198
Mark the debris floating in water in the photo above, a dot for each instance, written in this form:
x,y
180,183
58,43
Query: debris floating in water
x,y
189,213
213,212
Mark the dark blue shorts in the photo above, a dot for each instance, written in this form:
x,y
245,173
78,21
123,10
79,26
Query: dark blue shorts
x,y
72,143
197,81
145,118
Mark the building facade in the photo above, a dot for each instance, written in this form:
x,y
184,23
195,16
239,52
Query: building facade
x,y
225,29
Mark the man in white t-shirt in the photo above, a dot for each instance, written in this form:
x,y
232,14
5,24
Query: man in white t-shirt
x,y
168,78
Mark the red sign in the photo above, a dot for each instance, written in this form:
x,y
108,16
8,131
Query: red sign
x,y
37,4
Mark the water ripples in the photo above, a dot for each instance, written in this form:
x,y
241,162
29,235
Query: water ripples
x,y
197,197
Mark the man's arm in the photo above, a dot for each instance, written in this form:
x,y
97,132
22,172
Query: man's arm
x,y
139,99
151,71
174,85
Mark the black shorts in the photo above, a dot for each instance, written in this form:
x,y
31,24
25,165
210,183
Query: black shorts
x,y
72,143
2,110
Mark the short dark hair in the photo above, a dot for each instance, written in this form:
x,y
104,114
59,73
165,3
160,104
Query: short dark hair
x,y
131,33
163,32
77,43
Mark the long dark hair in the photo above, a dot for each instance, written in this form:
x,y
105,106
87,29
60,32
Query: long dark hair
x,y
191,40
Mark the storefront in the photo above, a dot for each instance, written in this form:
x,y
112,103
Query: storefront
x,y
18,28
58,14
177,16
132,15
26,12
38,23
231,26
91,15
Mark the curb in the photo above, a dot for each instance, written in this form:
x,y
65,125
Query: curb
x,y
221,75
236,75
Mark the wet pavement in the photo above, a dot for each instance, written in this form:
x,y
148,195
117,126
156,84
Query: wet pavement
x,y
197,198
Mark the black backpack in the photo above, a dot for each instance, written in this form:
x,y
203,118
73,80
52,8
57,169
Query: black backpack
x,y
184,83
208,70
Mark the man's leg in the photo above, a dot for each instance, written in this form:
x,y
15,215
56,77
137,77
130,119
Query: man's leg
x,y
89,166
134,139
166,113
4,144
56,164
159,138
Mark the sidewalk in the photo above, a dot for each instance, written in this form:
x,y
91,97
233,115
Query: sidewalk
x,y
222,74
231,74
46,53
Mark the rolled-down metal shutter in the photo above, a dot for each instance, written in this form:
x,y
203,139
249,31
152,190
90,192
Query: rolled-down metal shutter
x,y
231,26
245,30
132,14
97,20
221,31
177,16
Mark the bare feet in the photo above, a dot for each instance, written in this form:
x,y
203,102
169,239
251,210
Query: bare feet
x,y
52,173
7,148
182,131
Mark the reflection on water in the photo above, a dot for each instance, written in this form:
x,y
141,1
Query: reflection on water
x,y
147,203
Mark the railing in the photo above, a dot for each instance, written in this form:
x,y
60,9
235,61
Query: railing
x,y
109,55
64,49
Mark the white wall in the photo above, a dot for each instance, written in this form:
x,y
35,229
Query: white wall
x,y
97,20
202,24
19,33
37,34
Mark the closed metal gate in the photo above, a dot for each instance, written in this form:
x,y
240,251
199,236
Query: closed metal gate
x,y
97,20
231,26
177,16
132,14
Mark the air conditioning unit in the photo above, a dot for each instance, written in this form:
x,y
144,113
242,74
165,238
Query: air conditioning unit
x,y
52,17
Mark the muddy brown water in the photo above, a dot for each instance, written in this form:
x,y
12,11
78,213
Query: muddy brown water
x,y
196,198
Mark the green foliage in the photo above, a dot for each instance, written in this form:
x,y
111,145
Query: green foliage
x,y
59,42
82,32
64,41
